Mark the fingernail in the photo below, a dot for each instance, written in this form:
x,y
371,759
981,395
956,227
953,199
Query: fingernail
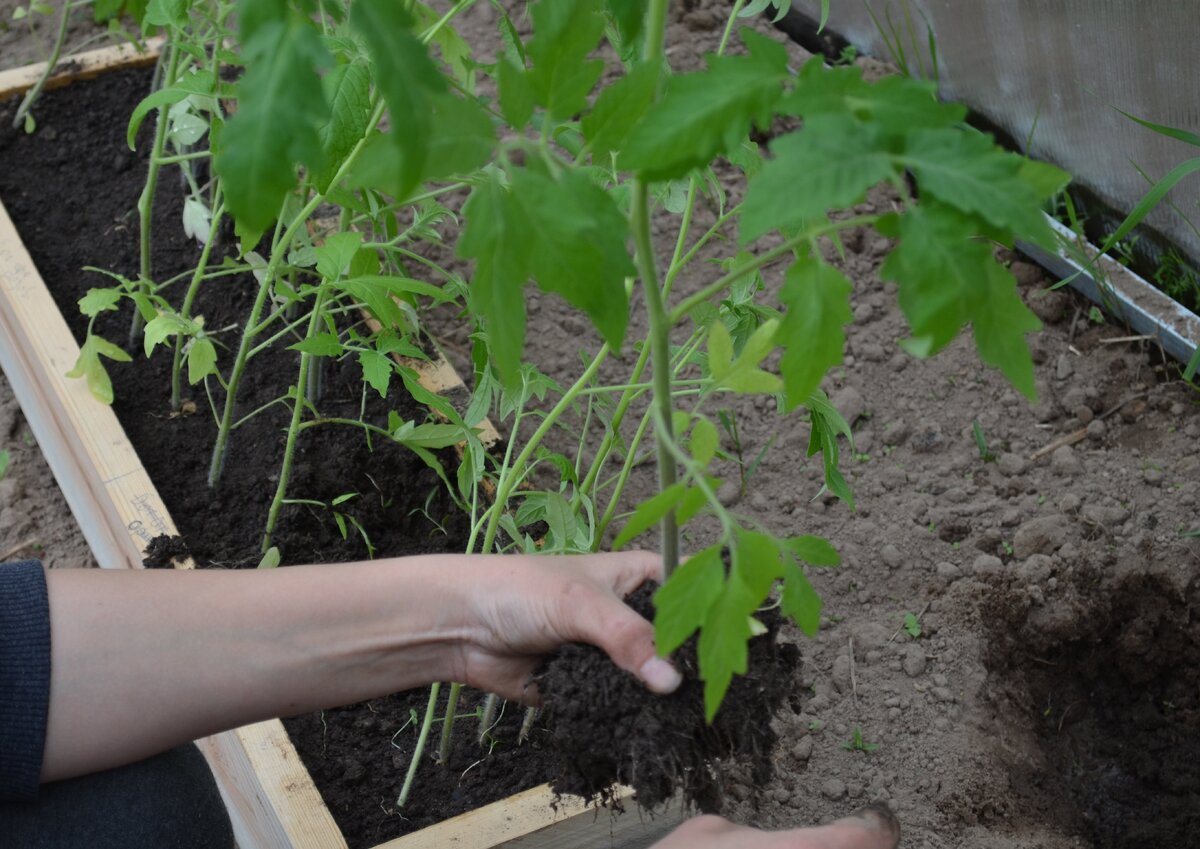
x,y
660,676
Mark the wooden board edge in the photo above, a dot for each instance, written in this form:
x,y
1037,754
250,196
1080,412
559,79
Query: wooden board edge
x,y
258,768
81,66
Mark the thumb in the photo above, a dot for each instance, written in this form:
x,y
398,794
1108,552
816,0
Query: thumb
x,y
872,827
628,639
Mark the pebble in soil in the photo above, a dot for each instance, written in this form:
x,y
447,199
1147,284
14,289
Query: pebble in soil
x,y
607,729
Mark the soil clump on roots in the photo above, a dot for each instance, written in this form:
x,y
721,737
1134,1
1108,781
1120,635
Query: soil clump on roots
x,y
659,745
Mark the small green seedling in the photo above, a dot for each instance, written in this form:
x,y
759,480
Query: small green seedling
x,y
5,458
912,625
1096,315
856,743
985,453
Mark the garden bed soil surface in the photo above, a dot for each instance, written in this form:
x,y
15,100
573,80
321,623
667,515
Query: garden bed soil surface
x,y
1051,699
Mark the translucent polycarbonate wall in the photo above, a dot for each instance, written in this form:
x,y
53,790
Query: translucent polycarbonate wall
x,y
1052,71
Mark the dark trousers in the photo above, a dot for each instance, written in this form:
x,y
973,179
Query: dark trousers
x,y
166,802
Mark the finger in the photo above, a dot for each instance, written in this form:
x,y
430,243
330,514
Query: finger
x,y
873,827
605,621
625,571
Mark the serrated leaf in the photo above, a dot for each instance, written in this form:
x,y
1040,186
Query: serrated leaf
x,y
408,78
320,345
347,88
201,359
376,370
1000,322
648,513
564,34
813,549
705,441
722,646
829,164
516,94
201,82
681,604
709,112
817,298
618,108
968,171
893,104
433,436
1045,179
757,563
97,301
576,243
742,375
336,254
800,601
494,238
463,137
159,329
166,13
280,107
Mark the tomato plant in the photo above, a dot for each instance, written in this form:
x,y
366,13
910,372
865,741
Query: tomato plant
x,y
350,123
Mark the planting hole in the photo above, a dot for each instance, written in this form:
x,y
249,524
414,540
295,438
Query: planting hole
x,y
1108,677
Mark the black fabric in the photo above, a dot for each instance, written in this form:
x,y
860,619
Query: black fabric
x,y
24,678
166,802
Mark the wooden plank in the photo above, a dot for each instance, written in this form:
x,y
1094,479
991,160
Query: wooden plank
x,y
82,66
565,823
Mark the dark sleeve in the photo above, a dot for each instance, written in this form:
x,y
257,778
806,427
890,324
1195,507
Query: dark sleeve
x,y
24,678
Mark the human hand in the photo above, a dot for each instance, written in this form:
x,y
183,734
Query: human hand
x,y
874,827
521,608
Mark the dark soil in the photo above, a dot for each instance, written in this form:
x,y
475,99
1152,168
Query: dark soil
x,y
662,745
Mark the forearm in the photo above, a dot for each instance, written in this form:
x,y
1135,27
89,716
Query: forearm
x,y
142,661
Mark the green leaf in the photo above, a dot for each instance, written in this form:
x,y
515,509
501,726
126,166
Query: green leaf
x,y
722,646
829,164
912,625
708,113
347,88
757,563
618,108
321,345
968,171
161,13
705,441
201,359
494,237
649,513
800,601
576,246
408,78
433,436
336,254
1045,179
160,328
201,82
463,137
516,94
896,104
97,301
742,375
629,18
88,366
681,604
376,370
813,549
561,76
947,277
280,107
817,298
270,559
561,521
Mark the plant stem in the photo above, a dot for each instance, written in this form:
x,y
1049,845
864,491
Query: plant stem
x,y
448,724
422,738
185,311
289,449
278,252
51,63
145,204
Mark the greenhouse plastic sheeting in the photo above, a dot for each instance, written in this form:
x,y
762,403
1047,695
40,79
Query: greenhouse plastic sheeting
x,y
1052,71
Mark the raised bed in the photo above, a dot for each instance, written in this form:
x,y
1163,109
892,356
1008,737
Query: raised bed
x,y
269,793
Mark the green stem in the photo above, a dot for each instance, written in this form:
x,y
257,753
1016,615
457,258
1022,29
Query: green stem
x,y
448,724
51,63
185,311
278,253
289,449
145,204
419,751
